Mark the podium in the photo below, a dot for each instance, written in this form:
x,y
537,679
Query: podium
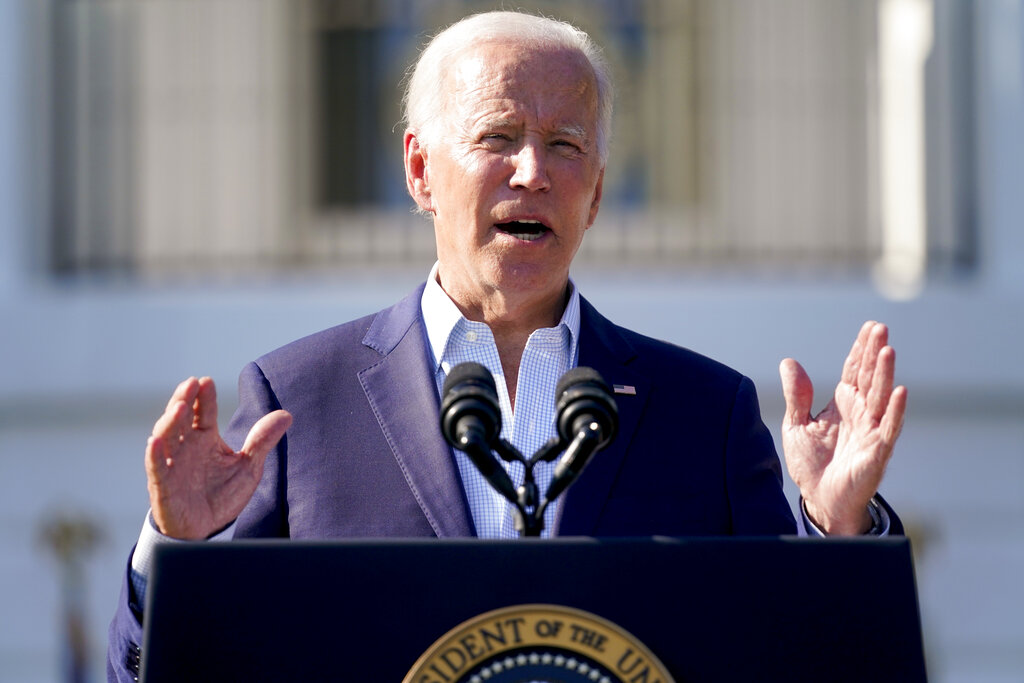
x,y
710,609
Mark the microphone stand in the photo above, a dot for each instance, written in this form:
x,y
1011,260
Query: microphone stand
x,y
529,507
529,511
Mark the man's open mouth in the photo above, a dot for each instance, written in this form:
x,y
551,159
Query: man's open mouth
x,y
527,230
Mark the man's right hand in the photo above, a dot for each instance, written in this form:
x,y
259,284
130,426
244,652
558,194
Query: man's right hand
x,y
197,483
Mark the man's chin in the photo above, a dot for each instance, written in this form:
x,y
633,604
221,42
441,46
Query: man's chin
x,y
532,280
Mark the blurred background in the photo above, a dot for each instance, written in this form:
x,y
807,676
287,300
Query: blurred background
x,y
186,184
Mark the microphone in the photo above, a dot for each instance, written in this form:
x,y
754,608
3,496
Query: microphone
x,y
588,420
471,421
584,397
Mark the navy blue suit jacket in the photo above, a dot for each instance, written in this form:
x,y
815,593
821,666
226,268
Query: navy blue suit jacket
x,y
365,456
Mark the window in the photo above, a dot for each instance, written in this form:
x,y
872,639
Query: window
x,y
251,134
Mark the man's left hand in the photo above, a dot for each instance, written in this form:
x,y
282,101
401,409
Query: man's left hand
x,y
837,459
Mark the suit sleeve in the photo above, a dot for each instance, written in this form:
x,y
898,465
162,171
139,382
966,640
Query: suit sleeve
x,y
753,472
125,636
266,515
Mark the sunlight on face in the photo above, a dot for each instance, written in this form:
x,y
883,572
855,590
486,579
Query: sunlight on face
x,y
514,175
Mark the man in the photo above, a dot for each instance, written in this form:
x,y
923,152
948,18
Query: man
x,y
505,148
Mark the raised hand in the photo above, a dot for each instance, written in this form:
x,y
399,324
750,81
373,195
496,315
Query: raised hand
x,y
837,458
197,483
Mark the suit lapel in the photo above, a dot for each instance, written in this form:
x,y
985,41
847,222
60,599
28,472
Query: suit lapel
x,y
604,349
402,391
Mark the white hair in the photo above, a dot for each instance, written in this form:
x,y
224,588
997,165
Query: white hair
x,y
423,101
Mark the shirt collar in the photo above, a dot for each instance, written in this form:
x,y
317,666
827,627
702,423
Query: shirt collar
x,y
441,315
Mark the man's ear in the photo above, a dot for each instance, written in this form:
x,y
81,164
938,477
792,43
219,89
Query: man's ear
x,y
595,203
416,172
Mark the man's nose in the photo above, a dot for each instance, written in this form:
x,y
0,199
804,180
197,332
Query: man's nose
x,y
531,168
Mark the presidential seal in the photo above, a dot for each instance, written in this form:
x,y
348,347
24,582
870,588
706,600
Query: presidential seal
x,y
538,644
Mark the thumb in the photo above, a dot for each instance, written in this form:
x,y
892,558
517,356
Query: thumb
x,y
798,391
265,434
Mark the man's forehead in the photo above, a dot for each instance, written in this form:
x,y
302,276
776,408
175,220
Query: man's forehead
x,y
470,68
510,72
495,62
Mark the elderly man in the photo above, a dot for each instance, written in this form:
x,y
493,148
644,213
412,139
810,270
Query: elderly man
x,y
506,142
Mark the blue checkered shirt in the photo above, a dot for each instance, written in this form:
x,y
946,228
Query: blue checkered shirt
x,y
550,352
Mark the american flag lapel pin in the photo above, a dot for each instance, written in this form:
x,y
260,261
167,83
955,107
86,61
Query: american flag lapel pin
x,y
624,389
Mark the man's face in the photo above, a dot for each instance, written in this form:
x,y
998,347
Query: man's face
x,y
512,174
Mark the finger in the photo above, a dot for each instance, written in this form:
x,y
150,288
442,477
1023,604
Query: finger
x,y
159,462
877,338
168,437
162,452
186,391
175,422
265,434
157,465
881,382
205,405
895,412
798,392
156,459
853,360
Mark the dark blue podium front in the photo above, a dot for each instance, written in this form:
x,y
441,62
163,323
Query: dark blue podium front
x,y
766,609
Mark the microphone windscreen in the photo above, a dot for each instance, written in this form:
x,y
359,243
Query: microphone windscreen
x,y
469,392
582,393
474,373
580,375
